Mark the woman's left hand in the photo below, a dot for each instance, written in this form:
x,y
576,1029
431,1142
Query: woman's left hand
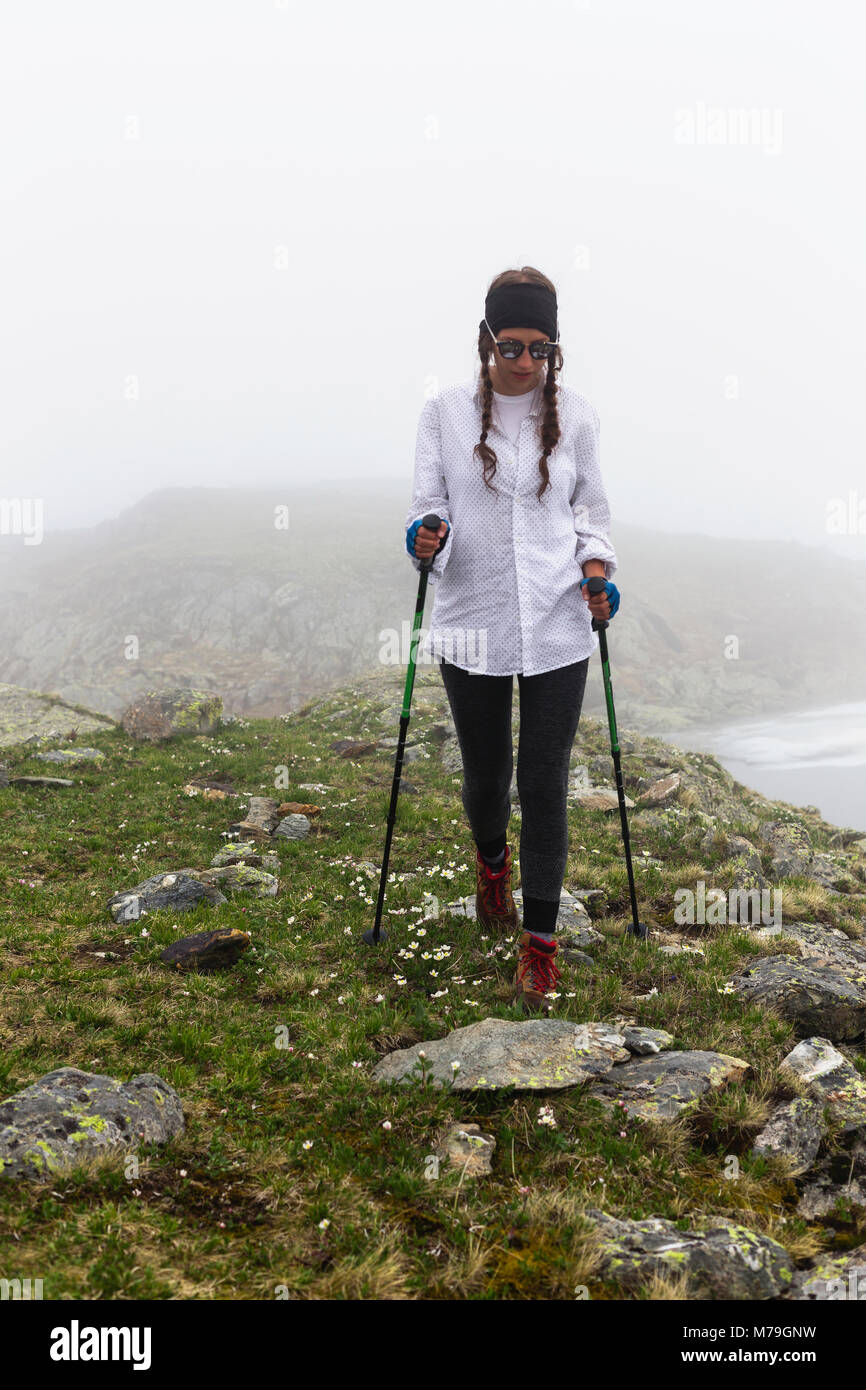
x,y
603,605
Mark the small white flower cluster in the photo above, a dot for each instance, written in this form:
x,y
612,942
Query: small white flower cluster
x,y
546,1117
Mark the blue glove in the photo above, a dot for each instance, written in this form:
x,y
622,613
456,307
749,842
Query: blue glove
x,y
612,593
413,531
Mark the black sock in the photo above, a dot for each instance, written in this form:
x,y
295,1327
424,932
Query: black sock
x,y
496,862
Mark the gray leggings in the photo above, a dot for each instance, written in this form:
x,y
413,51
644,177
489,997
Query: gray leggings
x,y
550,706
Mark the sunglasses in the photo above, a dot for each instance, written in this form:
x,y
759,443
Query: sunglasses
x,y
510,348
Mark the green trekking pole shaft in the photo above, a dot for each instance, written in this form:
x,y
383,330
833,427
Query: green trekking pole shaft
x,y
595,585
375,934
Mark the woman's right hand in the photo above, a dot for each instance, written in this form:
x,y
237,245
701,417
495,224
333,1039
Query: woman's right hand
x,y
427,542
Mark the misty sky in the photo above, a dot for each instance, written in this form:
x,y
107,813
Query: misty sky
x,y
242,241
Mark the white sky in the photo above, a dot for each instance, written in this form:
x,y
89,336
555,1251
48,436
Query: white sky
x,y
159,155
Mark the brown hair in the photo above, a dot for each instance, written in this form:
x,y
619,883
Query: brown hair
x,y
549,431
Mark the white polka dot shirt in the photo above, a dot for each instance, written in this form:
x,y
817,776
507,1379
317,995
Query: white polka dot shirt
x,y
506,584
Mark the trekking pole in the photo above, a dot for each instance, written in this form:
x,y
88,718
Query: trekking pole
x,y
595,585
375,935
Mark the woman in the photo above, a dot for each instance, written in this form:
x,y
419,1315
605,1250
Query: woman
x,y
510,566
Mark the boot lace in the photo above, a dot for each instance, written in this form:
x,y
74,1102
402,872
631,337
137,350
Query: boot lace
x,y
543,972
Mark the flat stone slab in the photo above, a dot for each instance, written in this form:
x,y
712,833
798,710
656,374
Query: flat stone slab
x,y
663,1087
538,1054
71,756
68,1114
181,891
721,1259
41,782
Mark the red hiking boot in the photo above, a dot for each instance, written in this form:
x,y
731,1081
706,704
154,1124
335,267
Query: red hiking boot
x,y
495,907
537,973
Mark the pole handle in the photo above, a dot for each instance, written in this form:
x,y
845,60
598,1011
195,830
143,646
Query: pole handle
x,y
595,585
432,522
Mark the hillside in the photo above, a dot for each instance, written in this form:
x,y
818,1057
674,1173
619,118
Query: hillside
x,y
299,1173
195,586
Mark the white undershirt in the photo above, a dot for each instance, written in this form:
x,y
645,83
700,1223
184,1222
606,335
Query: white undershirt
x,y
511,411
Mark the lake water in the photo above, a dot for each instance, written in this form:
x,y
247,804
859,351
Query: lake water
x,y
811,758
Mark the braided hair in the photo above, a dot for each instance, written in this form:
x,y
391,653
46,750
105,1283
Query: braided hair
x,y
549,430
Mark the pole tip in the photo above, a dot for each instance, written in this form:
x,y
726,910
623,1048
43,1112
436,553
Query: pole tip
x,y
370,937
641,931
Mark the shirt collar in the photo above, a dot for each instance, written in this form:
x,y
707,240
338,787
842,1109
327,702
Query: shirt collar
x,y
475,390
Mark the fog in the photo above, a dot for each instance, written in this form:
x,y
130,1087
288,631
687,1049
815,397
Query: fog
x,y
242,243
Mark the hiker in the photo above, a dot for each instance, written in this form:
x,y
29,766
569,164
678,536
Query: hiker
x,y
511,561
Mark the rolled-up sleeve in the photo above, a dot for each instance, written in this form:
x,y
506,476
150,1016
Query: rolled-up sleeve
x,y
430,493
589,505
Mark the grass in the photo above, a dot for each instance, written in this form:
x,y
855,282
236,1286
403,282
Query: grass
x,y
285,1183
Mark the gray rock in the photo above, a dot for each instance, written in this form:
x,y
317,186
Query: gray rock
x,y
831,1277
649,820
71,756
839,1177
795,1130
239,878
598,799
70,1114
833,1081
720,1259
162,714
789,845
180,892
663,1087
245,852
663,791
593,899
295,827
574,957
539,1054
826,999
41,782
646,1042
469,1148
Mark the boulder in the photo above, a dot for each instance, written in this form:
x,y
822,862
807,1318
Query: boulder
x,y
720,1259
293,828
207,950
816,995
831,1277
163,714
69,1114
795,1129
661,792
181,891
831,1080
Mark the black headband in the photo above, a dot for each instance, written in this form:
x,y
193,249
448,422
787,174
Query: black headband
x,y
522,305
